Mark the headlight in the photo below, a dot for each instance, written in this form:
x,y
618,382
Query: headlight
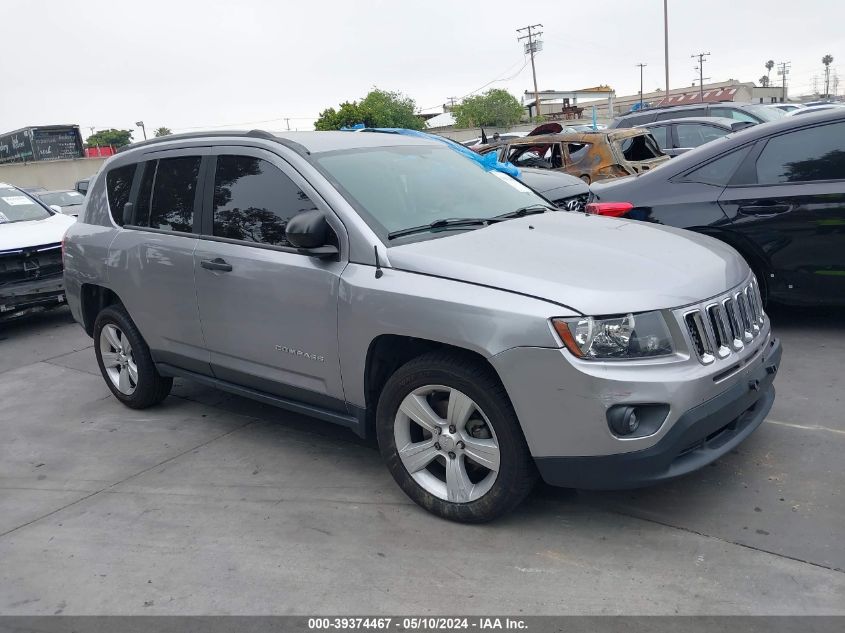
x,y
627,336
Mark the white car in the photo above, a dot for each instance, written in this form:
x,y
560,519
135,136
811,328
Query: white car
x,y
814,108
30,253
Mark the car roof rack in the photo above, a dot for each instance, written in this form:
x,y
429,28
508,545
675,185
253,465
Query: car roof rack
x,y
262,134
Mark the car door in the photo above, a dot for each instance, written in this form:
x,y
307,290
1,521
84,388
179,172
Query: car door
x,y
789,199
152,258
269,313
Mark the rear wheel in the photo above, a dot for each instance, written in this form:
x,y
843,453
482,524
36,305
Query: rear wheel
x,y
125,360
451,439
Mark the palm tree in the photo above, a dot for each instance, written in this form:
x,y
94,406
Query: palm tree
x,y
769,65
764,81
827,60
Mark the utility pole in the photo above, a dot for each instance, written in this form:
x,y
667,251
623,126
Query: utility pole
x,y
701,58
452,101
287,124
666,45
783,71
533,46
641,83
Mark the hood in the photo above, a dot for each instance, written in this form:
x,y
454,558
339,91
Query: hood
x,y
592,264
549,180
34,232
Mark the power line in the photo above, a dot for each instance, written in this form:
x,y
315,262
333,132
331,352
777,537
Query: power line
x,y
533,46
492,81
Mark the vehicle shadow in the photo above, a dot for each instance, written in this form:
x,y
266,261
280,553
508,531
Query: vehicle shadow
x,y
816,317
35,322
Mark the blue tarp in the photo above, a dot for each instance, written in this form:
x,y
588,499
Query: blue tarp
x,y
488,161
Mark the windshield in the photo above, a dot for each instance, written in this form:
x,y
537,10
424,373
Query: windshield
x,y
62,198
764,112
401,187
16,206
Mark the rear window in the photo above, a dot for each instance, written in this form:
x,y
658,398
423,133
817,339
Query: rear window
x,y
637,148
719,171
118,186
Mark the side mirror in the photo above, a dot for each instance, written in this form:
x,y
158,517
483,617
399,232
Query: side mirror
x,y
56,208
309,232
128,212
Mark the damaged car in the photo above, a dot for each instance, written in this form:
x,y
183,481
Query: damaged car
x,y
590,156
30,254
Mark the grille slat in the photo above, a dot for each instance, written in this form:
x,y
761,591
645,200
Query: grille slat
x,y
724,327
26,264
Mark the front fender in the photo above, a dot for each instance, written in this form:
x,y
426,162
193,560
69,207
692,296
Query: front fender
x,y
484,320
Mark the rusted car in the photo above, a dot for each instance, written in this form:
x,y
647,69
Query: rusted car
x,y
591,156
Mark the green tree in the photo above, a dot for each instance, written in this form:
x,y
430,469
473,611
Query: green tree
x,y
764,81
497,108
115,138
380,108
163,131
769,65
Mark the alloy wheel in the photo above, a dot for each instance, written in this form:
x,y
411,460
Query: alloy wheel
x,y
446,443
118,360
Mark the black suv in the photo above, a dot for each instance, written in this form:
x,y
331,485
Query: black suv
x,y
775,192
751,112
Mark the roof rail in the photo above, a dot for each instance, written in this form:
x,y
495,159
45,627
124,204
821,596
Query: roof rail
x,y
296,147
681,105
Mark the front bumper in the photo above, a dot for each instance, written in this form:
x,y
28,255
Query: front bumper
x,y
18,299
700,436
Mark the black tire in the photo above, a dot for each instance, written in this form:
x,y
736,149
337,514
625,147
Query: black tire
x,y
151,387
517,473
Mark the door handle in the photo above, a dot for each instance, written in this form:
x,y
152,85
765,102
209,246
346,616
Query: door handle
x,y
764,209
218,263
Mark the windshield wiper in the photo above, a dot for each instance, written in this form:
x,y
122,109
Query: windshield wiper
x,y
521,212
442,224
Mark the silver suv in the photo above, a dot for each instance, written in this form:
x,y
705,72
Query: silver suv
x,y
389,284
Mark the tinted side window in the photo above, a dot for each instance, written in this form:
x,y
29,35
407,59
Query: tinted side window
x,y
661,135
695,134
253,200
118,186
804,155
145,194
174,188
719,171
632,121
680,114
736,115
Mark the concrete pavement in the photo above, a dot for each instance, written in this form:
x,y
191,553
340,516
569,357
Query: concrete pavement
x,y
212,504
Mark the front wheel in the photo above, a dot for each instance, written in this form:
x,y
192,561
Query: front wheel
x,y
451,438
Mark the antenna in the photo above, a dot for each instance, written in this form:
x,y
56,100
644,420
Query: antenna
x,y
379,271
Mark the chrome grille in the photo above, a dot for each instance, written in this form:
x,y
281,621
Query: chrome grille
x,y
725,325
